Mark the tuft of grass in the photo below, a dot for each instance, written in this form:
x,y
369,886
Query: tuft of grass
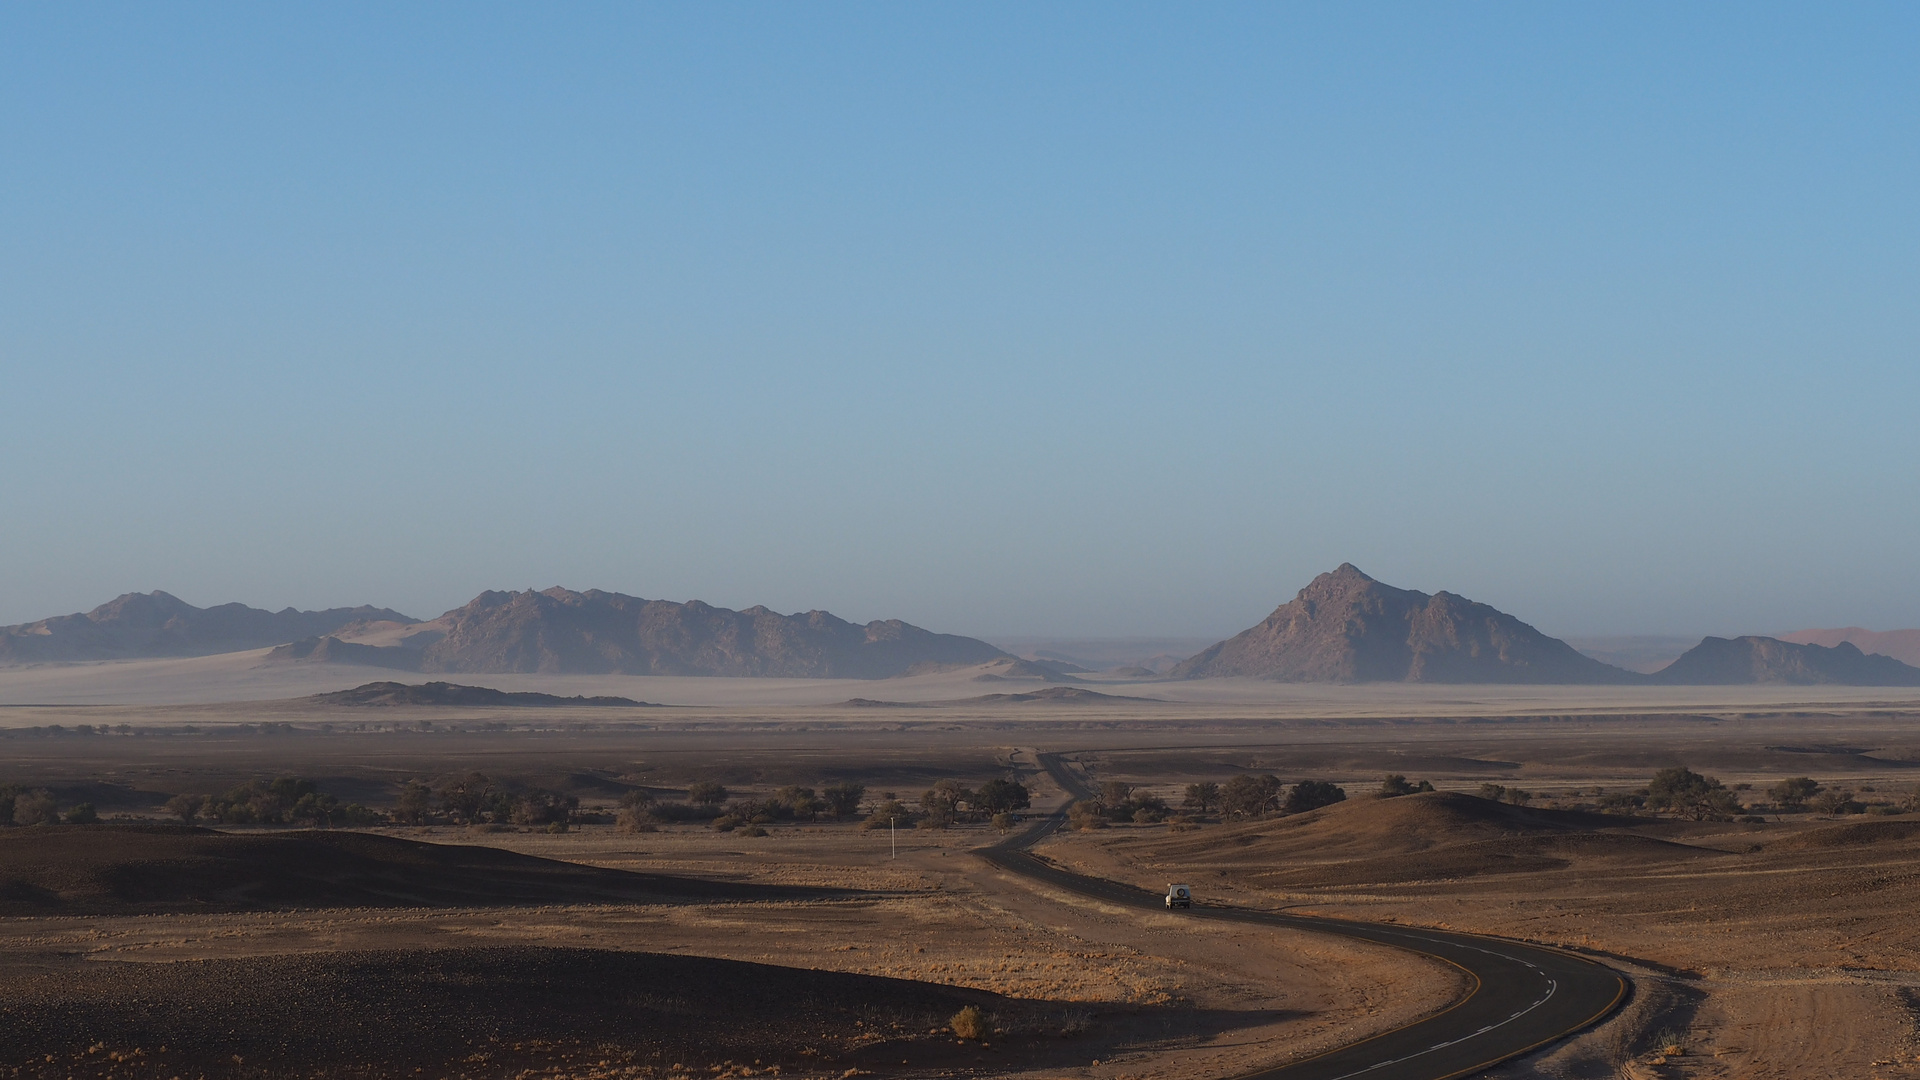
x,y
971,1023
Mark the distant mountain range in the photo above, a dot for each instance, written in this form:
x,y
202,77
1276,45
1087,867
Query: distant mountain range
x,y
1724,662
1347,627
157,624
553,631
1344,627
1902,645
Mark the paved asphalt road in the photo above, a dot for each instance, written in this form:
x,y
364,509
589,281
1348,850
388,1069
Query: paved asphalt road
x,y
1522,997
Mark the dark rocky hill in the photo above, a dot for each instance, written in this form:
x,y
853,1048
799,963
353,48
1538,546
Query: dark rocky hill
x,y
600,632
158,624
1346,627
1726,661
440,693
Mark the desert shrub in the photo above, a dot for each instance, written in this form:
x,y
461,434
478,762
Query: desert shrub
x,y
1682,791
1394,784
752,830
1003,822
356,816
34,808
1910,802
707,793
636,810
538,807
8,793
82,814
1312,795
971,1023
1115,793
1202,797
669,812
1493,792
186,807
727,823
1519,796
1625,802
1087,814
1149,815
843,798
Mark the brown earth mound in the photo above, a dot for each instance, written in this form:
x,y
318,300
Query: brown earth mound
x,y
1849,835
135,869
1485,858
440,693
1057,695
490,1012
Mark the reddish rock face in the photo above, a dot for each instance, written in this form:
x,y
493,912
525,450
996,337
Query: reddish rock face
x,y
1347,627
1728,661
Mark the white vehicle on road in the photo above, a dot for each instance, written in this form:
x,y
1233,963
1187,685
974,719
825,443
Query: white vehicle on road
x,y
1179,896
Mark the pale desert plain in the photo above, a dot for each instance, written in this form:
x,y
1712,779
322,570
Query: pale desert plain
x,y
1778,945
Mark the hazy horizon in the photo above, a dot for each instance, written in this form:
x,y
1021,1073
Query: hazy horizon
x,y
1071,321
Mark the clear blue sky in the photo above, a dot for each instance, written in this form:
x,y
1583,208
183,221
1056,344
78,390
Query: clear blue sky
x,y
1024,318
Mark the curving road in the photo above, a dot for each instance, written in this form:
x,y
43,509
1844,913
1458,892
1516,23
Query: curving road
x,y
1522,997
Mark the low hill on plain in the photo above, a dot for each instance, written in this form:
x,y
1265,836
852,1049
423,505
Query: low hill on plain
x,y
146,869
1434,836
440,693
1731,661
1345,627
154,624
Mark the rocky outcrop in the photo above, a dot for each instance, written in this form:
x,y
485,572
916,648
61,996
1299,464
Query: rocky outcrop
x,y
1345,627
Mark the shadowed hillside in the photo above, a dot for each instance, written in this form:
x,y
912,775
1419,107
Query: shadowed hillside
x,y
440,693
131,869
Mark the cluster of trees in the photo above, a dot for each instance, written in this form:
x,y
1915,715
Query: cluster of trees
x,y
950,802
476,799
1684,793
1394,785
36,806
1117,801
288,800
709,800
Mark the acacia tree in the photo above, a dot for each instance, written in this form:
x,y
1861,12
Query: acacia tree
x,y
1202,797
1000,796
1682,791
1793,794
1251,795
1312,795
843,797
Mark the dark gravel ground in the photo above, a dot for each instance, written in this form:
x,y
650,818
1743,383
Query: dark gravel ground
x,y
500,1012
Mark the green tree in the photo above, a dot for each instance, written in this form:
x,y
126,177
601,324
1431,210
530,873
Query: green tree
x,y
1312,795
1493,792
82,814
1115,793
186,807
415,800
34,808
1394,784
843,797
1682,791
706,793
1792,794
999,796
1251,795
1202,797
